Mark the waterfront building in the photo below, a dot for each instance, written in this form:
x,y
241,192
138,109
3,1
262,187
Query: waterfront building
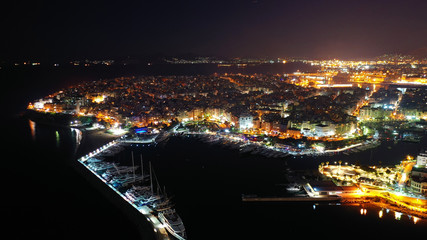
x,y
369,112
328,188
245,121
197,113
419,186
271,122
217,113
347,127
294,133
419,180
184,114
411,113
323,130
256,122
422,159
39,104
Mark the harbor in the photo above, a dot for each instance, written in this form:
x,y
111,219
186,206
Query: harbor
x,y
202,181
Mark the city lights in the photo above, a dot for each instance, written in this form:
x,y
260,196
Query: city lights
x,y
314,111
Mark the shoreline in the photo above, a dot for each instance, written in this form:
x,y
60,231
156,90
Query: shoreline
x,y
368,144
337,200
63,120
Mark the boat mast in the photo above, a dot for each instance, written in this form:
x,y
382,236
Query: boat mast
x,y
142,167
133,166
151,180
158,188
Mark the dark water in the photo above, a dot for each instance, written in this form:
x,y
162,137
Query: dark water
x,y
46,196
207,182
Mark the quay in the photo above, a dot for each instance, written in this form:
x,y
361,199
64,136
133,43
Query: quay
x,y
290,199
344,200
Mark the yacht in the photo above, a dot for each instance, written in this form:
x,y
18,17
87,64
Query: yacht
x,y
173,223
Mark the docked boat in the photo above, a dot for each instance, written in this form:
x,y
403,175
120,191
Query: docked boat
x,y
94,160
149,200
293,187
141,195
100,166
173,223
116,171
124,180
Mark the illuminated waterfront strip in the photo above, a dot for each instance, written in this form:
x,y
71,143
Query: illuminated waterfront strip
x,y
311,152
392,197
344,148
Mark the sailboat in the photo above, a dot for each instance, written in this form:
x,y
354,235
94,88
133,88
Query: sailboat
x,y
167,215
173,223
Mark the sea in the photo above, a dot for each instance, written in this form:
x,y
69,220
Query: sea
x,y
47,195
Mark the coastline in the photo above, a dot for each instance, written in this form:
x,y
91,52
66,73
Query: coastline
x,y
51,119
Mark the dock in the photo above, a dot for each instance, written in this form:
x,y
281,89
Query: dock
x,y
330,199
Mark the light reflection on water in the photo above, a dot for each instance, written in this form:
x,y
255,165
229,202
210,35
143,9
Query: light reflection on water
x,y
390,214
32,129
64,138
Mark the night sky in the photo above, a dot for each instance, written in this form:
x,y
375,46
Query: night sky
x,y
310,28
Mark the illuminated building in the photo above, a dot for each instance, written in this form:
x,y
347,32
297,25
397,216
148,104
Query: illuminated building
x,y
323,130
411,113
325,189
368,113
419,180
245,121
422,160
40,103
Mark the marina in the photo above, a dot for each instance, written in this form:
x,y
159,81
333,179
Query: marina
x,y
141,190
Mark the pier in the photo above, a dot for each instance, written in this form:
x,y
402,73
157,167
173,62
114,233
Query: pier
x,y
329,199
290,199
160,229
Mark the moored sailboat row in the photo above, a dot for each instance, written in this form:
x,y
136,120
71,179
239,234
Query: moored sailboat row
x,y
140,189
